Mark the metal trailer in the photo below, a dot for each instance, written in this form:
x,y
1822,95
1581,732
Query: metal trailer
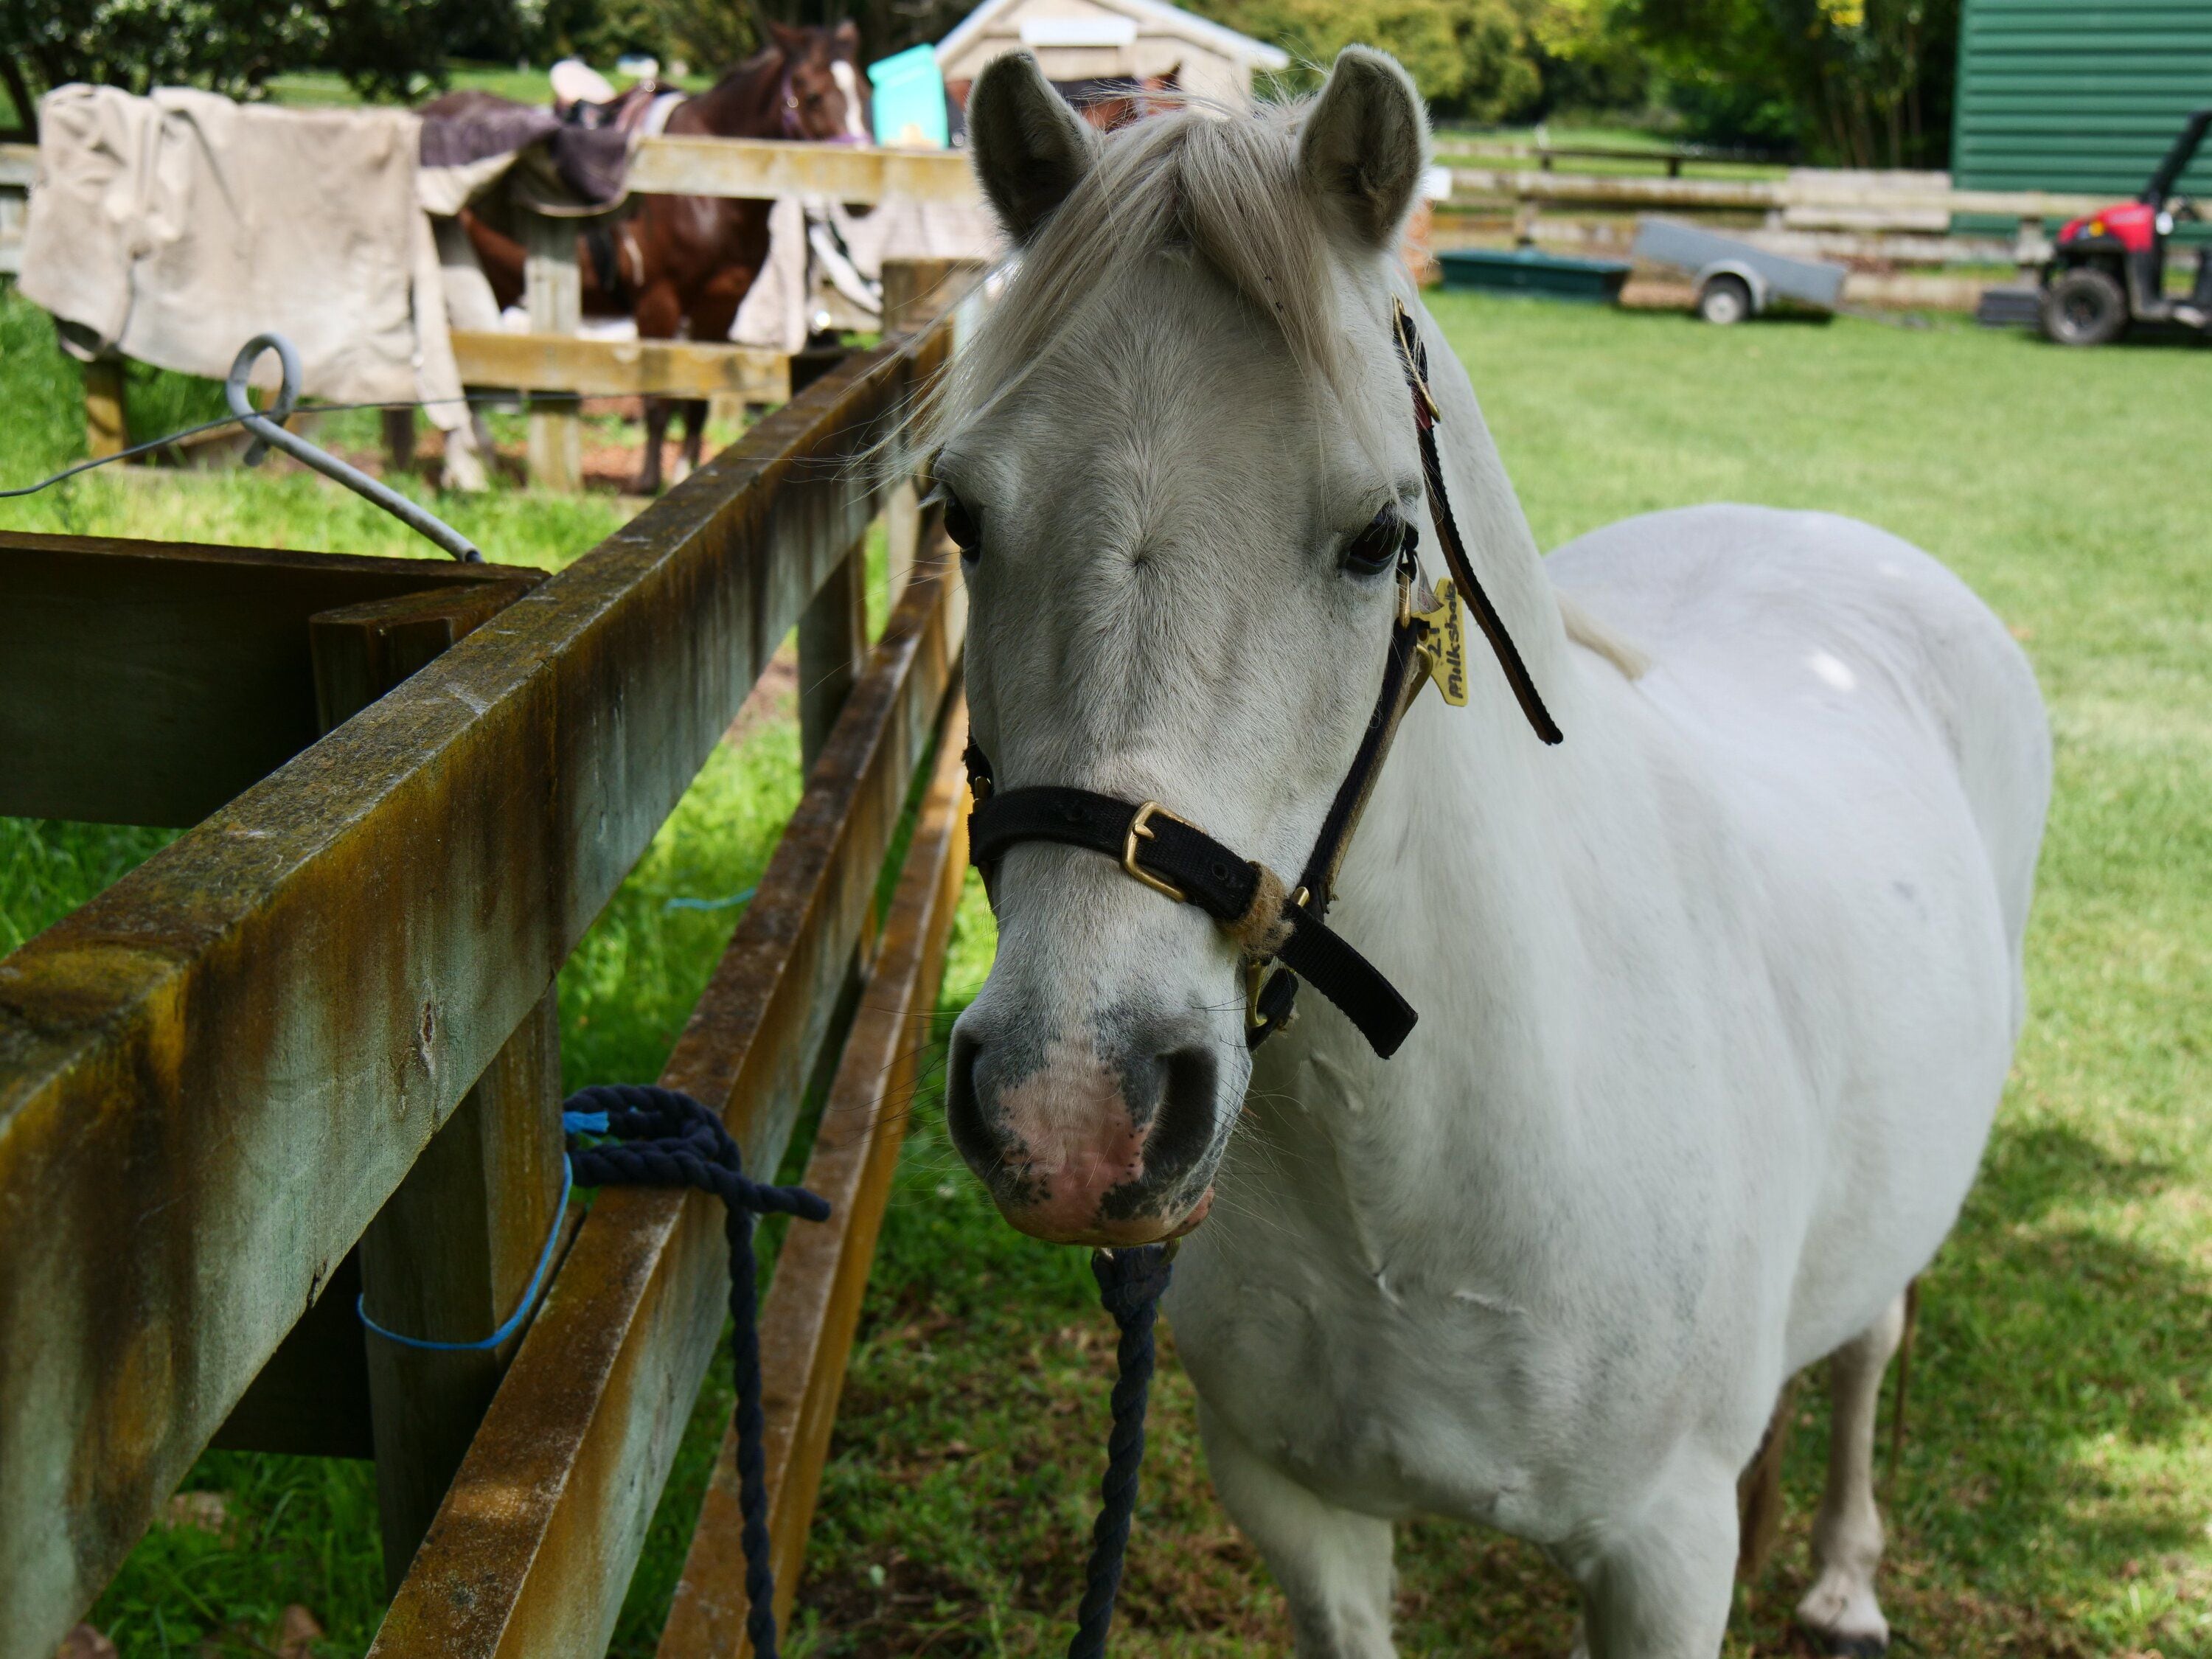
x,y
1734,279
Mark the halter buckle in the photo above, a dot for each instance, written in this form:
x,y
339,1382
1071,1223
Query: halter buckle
x,y
1140,828
1256,977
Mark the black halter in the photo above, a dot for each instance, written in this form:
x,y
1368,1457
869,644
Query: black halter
x,y
1176,859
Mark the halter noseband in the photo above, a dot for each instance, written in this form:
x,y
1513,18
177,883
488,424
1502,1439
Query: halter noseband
x,y
1177,859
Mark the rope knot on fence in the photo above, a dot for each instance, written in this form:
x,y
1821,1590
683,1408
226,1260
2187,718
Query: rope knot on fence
x,y
665,1138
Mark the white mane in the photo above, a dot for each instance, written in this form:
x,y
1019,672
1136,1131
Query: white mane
x,y
1222,184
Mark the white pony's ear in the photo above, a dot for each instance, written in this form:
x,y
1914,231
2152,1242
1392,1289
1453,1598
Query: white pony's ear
x,y
1364,147
1031,149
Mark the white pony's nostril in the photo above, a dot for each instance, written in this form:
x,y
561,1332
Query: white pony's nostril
x,y
1182,1129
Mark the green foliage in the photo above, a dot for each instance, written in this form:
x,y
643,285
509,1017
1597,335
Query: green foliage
x,y
393,49
1851,83
601,31
711,35
1474,58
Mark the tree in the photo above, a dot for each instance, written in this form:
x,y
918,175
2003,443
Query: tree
x,y
1854,82
394,49
1474,58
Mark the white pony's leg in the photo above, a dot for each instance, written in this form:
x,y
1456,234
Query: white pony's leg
x,y
1333,1565
1840,1608
1657,1585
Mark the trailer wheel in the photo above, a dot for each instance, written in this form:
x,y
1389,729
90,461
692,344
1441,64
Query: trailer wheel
x,y
1724,300
2084,307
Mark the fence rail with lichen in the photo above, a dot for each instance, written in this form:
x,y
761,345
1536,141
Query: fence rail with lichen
x,y
311,1047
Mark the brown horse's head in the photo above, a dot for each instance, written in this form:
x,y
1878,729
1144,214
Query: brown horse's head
x,y
1110,105
820,94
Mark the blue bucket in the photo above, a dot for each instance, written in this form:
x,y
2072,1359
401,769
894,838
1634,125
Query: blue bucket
x,y
909,96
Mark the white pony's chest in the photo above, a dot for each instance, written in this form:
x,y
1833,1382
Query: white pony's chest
x,y
1365,1406
1425,1380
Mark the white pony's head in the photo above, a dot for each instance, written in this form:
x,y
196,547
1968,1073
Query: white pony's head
x,y
1178,457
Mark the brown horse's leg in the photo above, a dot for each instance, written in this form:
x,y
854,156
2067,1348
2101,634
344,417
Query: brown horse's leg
x,y
648,482
695,432
500,256
660,314
712,312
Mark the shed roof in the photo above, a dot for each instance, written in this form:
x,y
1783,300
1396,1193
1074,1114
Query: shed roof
x,y
1152,16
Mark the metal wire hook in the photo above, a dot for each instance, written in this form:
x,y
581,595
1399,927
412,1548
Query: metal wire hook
x,y
268,430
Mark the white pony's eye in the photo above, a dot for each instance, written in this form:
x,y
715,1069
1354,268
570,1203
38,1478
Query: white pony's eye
x,y
961,525
1375,549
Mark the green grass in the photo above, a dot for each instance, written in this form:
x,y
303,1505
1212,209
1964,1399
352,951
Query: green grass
x,y
279,505
2056,1489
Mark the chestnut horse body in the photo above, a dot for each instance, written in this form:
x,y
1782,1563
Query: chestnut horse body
x,y
683,265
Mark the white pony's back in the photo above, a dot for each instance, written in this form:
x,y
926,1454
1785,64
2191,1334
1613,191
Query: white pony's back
x,y
1768,608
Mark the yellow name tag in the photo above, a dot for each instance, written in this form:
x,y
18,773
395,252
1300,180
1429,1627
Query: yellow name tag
x,y
1444,649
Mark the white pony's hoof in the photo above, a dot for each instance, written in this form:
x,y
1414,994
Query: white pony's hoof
x,y
1841,1613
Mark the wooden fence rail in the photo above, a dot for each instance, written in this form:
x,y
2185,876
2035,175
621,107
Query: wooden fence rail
x,y
222,1073
1805,189
769,167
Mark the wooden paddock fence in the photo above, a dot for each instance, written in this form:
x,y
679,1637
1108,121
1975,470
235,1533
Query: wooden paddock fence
x,y
1890,219
552,365
311,1049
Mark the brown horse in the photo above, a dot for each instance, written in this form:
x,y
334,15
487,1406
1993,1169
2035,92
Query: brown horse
x,y
683,263
1111,105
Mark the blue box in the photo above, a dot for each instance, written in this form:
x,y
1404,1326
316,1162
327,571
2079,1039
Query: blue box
x,y
908,96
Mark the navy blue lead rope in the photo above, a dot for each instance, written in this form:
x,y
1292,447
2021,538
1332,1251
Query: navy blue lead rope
x,y
1130,1283
659,1138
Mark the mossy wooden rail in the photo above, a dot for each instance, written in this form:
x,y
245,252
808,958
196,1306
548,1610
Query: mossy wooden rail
x,y
311,1044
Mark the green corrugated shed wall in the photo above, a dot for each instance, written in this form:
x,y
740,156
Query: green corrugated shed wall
x,y
2078,95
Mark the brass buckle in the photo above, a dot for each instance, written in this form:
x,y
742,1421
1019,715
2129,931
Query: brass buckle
x,y
1140,829
1255,980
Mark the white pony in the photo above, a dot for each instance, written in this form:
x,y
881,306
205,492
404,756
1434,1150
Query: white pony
x,y
1716,998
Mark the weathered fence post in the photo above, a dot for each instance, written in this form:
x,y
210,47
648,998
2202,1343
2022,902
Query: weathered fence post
x,y
553,293
915,292
453,1249
833,642
448,1258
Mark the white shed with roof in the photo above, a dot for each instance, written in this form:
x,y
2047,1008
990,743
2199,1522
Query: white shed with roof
x,y
1076,40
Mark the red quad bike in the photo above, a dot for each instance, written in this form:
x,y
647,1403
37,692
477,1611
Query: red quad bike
x,y
2108,269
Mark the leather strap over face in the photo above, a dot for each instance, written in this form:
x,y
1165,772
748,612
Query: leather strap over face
x,y
1180,862
1414,357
